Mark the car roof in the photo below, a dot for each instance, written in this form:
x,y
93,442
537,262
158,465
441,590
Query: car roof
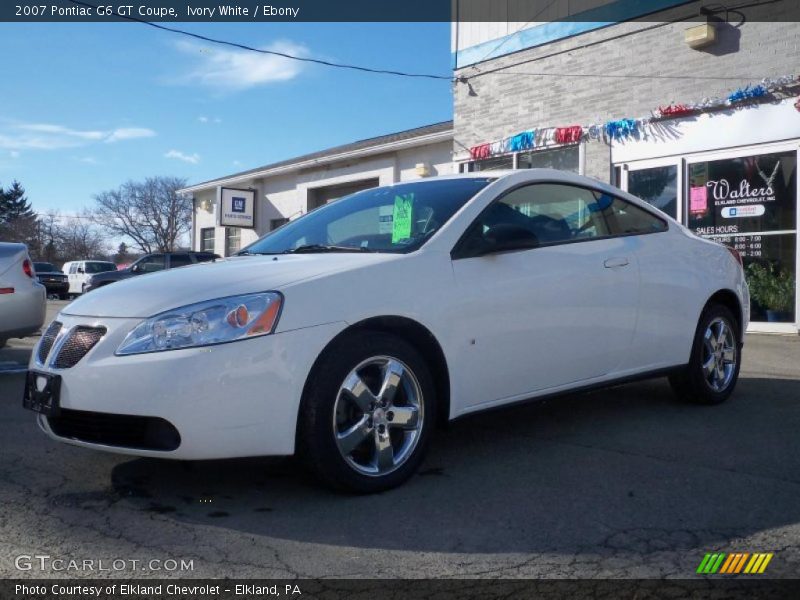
x,y
522,175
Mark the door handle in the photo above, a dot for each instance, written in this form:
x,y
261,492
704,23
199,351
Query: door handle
x,y
620,261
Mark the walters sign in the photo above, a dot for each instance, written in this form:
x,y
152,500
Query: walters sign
x,y
237,207
749,194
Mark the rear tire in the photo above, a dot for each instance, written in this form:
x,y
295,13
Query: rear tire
x,y
713,369
367,413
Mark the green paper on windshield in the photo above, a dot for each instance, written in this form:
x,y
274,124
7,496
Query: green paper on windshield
x,y
401,217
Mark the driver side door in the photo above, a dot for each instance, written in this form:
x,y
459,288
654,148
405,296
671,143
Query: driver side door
x,y
543,317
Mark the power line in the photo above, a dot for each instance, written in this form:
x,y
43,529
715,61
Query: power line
x,y
317,61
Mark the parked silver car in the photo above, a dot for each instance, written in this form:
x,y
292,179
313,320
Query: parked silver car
x,y
23,300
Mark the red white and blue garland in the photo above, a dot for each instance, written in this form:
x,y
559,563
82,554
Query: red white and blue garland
x,y
622,129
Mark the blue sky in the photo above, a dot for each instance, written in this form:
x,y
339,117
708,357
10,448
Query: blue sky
x,y
86,107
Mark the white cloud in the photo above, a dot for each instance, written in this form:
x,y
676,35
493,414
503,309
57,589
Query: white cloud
x,y
14,154
16,136
204,119
59,130
178,155
233,70
129,133
89,160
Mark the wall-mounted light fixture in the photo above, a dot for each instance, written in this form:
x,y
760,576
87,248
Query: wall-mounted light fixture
x,y
700,36
422,169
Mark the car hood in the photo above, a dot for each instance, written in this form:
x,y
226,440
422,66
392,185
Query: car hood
x,y
120,274
148,295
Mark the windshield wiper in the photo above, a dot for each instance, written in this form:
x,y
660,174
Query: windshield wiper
x,y
309,248
250,253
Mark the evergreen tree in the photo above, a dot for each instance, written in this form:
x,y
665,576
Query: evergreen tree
x,y
14,205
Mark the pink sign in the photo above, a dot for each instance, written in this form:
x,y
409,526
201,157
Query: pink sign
x,y
698,199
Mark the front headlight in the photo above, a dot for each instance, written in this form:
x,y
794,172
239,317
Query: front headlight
x,y
205,323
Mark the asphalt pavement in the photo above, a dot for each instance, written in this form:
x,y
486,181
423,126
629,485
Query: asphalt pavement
x,y
627,482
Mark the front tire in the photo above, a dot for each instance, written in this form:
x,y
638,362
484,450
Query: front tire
x,y
367,413
713,369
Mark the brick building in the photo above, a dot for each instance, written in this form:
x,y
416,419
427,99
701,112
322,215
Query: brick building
x,y
726,168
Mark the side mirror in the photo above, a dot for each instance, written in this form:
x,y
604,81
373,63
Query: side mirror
x,y
80,270
136,268
504,238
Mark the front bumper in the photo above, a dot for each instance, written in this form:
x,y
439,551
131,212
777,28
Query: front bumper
x,y
56,287
229,400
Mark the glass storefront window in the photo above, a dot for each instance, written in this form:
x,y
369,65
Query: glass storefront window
x,y
563,159
657,186
769,263
750,202
492,164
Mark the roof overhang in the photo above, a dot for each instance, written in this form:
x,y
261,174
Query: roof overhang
x,y
422,140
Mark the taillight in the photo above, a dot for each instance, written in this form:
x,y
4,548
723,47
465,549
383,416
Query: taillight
x,y
28,268
736,255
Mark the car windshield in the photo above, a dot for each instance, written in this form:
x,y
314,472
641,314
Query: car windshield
x,y
43,267
398,218
100,267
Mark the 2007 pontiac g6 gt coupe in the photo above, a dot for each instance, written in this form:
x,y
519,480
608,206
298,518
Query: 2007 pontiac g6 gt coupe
x,y
347,334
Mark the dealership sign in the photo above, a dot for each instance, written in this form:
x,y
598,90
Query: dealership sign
x,y
749,210
237,207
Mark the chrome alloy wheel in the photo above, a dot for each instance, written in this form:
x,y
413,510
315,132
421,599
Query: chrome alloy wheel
x,y
378,415
719,355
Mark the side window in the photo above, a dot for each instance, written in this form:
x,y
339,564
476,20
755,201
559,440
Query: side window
x,y
627,219
152,263
555,213
73,268
179,260
544,214
539,214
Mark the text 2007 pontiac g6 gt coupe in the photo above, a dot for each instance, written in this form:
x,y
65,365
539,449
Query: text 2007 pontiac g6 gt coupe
x,y
347,334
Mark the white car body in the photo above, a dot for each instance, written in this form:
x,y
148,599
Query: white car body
x,y
511,326
22,298
78,273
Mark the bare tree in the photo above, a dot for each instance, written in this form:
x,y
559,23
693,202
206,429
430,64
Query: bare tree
x,y
79,239
150,213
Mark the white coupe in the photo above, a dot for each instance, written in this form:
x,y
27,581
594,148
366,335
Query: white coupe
x,y
349,333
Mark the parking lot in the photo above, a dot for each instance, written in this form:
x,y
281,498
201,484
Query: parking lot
x,y
626,482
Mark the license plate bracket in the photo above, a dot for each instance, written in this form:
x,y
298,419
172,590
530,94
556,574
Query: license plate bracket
x,y
42,393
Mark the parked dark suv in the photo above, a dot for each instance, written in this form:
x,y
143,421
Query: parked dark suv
x,y
150,263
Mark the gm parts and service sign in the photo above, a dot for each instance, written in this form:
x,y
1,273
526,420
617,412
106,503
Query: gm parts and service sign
x,y
237,208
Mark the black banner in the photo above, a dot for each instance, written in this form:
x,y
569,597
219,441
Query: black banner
x,y
520,11
750,587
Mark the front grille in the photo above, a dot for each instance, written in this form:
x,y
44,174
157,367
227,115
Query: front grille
x,y
79,341
124,431
47,341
